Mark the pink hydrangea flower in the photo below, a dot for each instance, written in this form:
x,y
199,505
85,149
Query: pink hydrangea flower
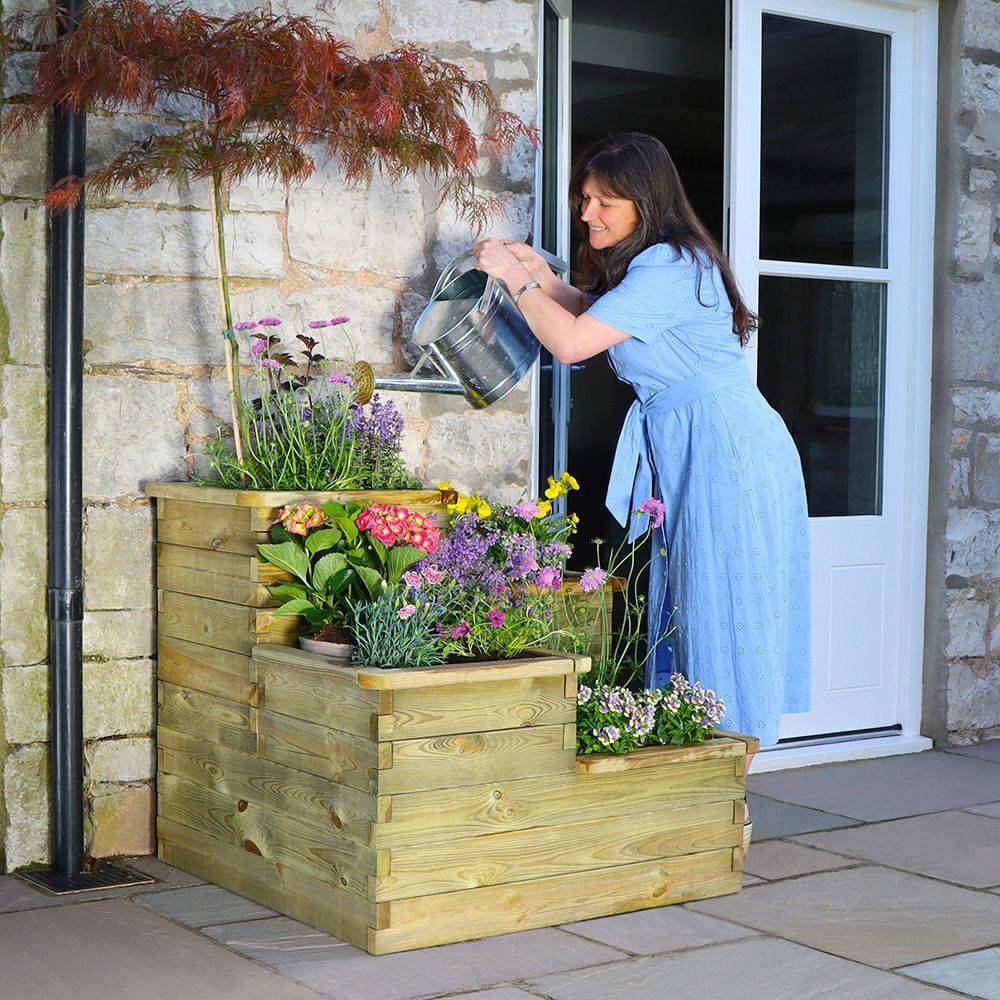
x,y
406,611
301,519
593,579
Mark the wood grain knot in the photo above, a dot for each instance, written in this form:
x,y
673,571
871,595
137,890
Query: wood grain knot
x,y
241,806
215,543
336,820
249,845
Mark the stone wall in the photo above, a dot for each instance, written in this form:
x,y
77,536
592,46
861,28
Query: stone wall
x,y
154,389
969,320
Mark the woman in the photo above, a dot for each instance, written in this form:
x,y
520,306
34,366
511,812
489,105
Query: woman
x,y
660,298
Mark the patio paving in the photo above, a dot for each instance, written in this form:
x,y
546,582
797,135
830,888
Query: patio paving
x,y
874,880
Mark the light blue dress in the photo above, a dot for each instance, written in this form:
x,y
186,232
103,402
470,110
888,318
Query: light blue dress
x,y
702,438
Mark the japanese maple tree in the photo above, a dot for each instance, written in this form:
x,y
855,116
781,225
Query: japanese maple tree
x,y
275,93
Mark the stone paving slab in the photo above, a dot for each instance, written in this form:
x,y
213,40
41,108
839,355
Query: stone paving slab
x,y
201,905
776,859
650,932
115,950
772,819
503,993
976,973
340,970
954,846
987,751
887,788
755,969
873,915
990,809
169,876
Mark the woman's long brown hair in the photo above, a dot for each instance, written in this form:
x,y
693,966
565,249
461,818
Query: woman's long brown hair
x,y
638,167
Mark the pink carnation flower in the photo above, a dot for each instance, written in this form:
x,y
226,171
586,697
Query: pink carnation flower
x,y
412,578
406,611
432,574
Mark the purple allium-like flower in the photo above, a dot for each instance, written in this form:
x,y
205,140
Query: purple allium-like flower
x,y
258,347
338,320
548,577
245,324
460,630
318,324
270,321
496,617
593,579
654,508
340,379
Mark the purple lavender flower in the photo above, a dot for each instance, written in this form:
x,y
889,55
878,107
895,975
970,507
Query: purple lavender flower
x,y
593,579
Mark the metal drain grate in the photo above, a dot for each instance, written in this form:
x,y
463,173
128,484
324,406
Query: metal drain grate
x,y
108,876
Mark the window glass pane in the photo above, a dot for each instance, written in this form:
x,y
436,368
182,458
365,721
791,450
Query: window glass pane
x,y
824,143
821,367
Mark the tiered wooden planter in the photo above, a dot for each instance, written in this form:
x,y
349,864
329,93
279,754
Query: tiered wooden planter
x,y
398,809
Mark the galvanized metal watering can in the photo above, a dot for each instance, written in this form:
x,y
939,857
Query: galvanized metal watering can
x,y
472,332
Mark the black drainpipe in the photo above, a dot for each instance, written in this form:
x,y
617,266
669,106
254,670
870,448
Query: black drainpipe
x,y
65,594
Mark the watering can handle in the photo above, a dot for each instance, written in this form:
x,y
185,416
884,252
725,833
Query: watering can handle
x,y
450,272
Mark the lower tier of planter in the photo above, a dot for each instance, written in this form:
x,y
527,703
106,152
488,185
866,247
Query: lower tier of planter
x,y
400,809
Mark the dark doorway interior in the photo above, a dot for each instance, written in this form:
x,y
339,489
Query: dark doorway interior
x,y
639,66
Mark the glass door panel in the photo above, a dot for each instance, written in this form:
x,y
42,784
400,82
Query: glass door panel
x,y
824,142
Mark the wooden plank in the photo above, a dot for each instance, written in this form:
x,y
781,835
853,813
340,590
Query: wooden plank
x,y
319,750
654,757
207,526
213,671
274,498
491,910
328,907
544,851
546,665
426,816
273,786
223,722
313,693
223,576
315,850
474,708
471,758
222,625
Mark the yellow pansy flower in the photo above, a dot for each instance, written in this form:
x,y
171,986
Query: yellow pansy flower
x,y
483,509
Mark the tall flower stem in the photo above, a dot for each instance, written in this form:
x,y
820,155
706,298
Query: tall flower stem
x,y
222,276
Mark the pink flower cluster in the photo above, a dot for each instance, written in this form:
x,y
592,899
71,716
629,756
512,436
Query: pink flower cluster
x,y
301,519
415,578
391,524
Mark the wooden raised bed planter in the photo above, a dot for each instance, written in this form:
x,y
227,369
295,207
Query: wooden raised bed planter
x,y
398,809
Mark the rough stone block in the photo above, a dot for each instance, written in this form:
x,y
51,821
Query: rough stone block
x,y
118,558
512,69
256,194
981,179
19,74
986,472
967,621
24,171
975,231
151,241
24,440
132,434
979,125
455,235
119,634
343,17
981,24
972,538
26,793
24,702
122,820
976,305
118,698
208,408
480,25
976,405
972,700
174,321
23,266
350,229
372,311
107,137
958,482
23,618
129,759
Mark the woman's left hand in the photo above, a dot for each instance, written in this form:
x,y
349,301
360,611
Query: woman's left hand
x,y
493,257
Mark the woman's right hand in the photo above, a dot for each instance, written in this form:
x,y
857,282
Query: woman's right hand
x,y
533,261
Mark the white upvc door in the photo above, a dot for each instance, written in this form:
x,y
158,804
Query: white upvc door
x,y
830,234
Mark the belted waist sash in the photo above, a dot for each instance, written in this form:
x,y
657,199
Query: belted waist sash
x,y
632,471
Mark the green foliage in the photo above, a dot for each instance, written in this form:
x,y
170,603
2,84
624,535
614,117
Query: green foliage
x,y
396,629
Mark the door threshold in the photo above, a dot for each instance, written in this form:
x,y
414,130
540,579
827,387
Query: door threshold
x,y
832,753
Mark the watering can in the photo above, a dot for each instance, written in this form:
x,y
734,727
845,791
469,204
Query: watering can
x,y
473,333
